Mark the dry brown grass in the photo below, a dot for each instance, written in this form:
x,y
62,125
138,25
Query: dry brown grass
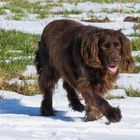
x,y
25,90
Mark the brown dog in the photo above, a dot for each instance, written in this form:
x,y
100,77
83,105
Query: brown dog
x,y
88,60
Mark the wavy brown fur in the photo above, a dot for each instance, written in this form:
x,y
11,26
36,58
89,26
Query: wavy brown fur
x,y
81,55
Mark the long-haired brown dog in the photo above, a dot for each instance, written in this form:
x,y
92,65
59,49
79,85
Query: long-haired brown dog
x,y
88,59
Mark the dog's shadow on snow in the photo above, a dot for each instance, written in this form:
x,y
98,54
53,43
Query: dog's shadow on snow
x,y
62,115
14,106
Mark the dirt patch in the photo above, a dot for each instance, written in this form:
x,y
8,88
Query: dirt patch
x,y
132,19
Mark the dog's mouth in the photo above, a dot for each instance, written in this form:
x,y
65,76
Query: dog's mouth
x,y
112,69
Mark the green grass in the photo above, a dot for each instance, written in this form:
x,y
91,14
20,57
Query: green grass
x,y
17,16
131,11
42,14
135,35
136,27
129,92
137,58
132,92
13,8
136,69
111,1
110,97
13,40
21,8
25,44
77,1
98,1
106,10
17,7
2,12
136,44
66,12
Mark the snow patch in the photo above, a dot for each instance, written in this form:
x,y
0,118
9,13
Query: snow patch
x,y
30,71
21,82
20,120
129,81
118,93
135,53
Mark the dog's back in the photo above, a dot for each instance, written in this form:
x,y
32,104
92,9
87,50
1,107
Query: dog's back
x,y
53,48
57,27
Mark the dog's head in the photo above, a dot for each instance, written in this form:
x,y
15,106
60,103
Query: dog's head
x,y
109,49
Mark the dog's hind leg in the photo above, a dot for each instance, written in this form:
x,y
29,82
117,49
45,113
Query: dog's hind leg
x,y
46,85
47,79
73,98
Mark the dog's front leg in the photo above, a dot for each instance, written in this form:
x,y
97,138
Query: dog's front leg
x,y
98,106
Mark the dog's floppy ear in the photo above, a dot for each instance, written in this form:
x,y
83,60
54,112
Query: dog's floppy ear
x,y
127,61
89,50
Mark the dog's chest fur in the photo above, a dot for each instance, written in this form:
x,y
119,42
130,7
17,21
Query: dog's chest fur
x,y
96,81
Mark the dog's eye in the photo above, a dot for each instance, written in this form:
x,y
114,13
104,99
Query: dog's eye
x,y
117,45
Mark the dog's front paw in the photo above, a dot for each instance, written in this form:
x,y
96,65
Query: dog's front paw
x,y
113,114
93,114
77,107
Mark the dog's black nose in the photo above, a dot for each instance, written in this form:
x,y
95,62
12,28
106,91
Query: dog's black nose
x,y
115,60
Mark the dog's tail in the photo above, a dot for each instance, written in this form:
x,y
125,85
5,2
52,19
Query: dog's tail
x,y
37,60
